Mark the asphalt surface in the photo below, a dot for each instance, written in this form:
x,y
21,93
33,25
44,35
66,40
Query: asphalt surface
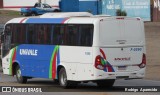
x,y
6,80
82,89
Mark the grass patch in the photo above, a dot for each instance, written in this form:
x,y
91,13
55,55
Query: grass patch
x,y
9,13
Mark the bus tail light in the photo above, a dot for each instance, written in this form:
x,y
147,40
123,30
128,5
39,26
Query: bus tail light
x,y
143,64
98,64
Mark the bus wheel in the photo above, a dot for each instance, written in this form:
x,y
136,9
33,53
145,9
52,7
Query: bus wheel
x,y
1,68
19,77
63,80
56,10
56,81
105,83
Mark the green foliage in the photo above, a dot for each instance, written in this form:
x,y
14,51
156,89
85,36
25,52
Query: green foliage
x,y
9,13
89,11
119,12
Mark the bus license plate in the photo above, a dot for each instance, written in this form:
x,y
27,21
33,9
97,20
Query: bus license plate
x,y
121,67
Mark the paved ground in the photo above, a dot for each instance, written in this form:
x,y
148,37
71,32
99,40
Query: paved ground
x,y
86,89
153,50
6,80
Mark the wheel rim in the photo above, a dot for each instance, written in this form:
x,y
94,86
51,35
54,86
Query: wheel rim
x,y
63,79
19,73
33,14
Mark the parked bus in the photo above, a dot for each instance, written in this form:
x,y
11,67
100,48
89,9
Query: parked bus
x,y
71,50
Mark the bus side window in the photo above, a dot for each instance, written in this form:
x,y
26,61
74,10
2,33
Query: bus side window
x,y
72,35
43,34
31,34
86,35
18,34
21,34
58,35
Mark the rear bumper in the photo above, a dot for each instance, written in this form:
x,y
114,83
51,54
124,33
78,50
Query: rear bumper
x,y
121,75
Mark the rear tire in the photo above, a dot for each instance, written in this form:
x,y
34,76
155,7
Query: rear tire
x,y
56,81
1,68
19,77
63,80
105,83
56,10
33,14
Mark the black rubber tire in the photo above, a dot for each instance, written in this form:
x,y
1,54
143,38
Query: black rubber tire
x,y
33,14
105,83
1,68
56,10
63,80
19,77
56,81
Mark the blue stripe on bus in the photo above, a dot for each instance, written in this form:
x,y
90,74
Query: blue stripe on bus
x,y
45,20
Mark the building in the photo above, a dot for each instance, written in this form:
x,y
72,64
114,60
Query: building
x,y
133,8
155,10
17,4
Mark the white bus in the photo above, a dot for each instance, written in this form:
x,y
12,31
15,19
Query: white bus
x,y
71,50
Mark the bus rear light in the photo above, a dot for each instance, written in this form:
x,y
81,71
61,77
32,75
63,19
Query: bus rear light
x,y
143,64
98,64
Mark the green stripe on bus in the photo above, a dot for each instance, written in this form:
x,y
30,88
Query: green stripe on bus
x,y
52,57
10,67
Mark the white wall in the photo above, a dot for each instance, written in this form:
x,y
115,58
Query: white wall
x,y
28,2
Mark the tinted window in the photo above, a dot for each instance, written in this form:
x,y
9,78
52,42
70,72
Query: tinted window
x,y
42,34
79,35
58,34
70,35
18,34
86,35
30,34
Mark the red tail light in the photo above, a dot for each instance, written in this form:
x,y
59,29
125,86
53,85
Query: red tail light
x,y
143,64
98,64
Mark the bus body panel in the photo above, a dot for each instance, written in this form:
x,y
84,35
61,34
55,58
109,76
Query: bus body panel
x,y
77,68
121,49
6,63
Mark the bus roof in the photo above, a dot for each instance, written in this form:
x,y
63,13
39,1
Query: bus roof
x,y
62,18
88,20
66,15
